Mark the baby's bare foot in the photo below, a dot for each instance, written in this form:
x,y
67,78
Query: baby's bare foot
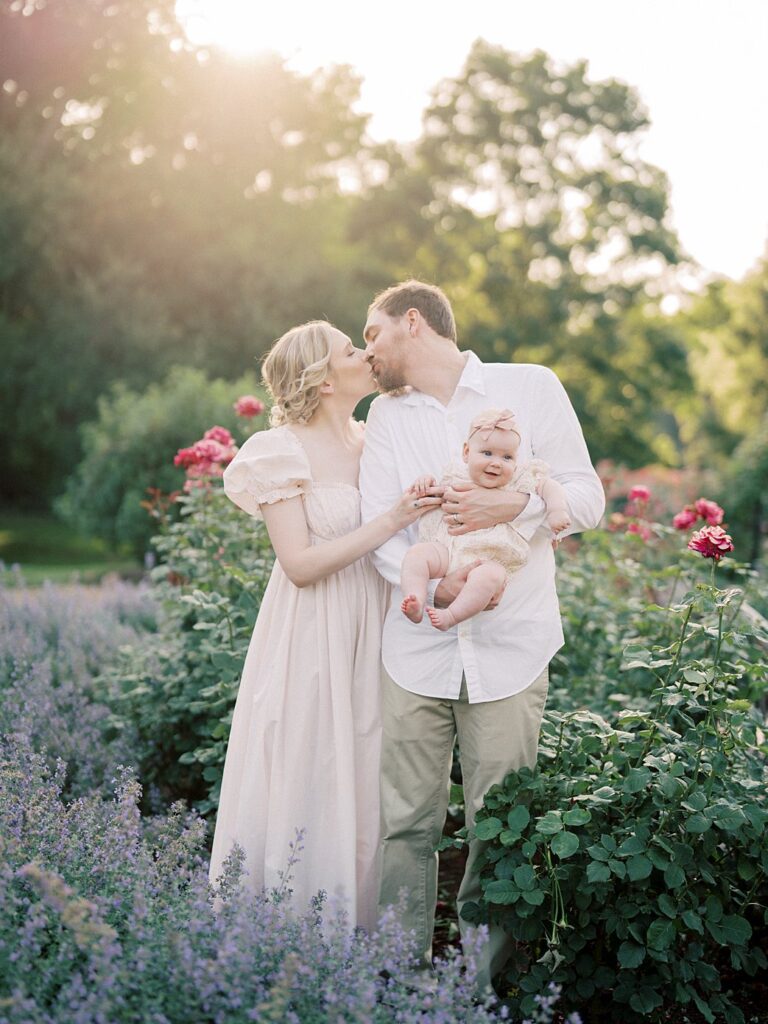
x,y
441,618
413,608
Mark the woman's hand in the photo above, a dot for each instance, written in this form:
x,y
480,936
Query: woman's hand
x,y
412,505
467,507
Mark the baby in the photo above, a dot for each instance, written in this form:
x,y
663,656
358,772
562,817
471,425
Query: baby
x,y
489,456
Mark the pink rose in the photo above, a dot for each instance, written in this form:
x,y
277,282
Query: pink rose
x,y
639,493
205,457
711,542
249,406
686,518
185,457
641,530
710,511
220,434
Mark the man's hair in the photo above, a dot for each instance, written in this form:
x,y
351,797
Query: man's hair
x,y
430,301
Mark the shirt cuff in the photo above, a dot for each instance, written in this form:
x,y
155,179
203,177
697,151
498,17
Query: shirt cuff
x,y
531,518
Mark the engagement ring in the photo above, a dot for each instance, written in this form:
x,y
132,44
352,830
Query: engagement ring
x,y
456,520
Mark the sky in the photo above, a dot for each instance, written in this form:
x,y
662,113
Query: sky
x,y
700,66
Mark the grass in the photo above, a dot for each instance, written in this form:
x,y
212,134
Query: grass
x,y
45,549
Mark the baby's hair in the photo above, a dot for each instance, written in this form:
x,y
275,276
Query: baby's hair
x,y
493,419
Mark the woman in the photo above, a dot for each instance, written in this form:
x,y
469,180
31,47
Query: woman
x,y
304,746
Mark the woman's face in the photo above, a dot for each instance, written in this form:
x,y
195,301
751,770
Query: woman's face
x,y
350,372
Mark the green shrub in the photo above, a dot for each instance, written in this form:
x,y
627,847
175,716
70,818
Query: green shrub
x,y
179,691
129,450
632,863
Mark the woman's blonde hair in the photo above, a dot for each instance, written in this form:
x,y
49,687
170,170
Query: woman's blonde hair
x,y
294,370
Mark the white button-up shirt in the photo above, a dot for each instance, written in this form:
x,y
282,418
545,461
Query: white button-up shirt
x,y
503,651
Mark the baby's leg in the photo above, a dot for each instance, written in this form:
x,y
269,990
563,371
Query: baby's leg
x,y
558,515
422,563
482,583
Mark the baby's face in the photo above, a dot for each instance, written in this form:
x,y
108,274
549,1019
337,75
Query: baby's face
x,y
490,458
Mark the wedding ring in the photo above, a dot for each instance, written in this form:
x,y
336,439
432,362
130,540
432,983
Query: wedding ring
x,y
456,520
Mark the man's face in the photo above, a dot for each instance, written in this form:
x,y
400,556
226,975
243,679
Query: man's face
x,y
386,341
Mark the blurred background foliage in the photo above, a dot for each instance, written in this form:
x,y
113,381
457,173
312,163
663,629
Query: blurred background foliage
x,y
167,206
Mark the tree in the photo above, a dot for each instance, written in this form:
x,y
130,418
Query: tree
x,y
526,199
161,205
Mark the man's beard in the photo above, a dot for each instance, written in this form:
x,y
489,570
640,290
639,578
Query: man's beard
x,y
390,382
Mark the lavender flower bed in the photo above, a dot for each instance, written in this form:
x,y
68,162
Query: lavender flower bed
x,y
107,917
55,642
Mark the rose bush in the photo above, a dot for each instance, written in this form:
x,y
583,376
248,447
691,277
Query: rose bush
x,y
632,863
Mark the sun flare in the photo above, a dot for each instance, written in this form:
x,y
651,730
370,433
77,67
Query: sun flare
x,y
243,27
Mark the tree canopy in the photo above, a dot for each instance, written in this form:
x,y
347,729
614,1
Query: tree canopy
x,y
164,204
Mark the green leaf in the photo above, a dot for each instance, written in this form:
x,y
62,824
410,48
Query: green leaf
x,y
598,852
604,793
697,824
730,819
731,931
501,891
525,877
631,955
667,905
693,675
714,909
597,872
518,818
577,816
696,801
631,845
565,844
549,823
645,1000
637,779
692,920
639,867
535,897
661,934
488,828
618,867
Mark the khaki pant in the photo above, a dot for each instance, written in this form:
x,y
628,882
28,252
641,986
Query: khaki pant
x,y
494,737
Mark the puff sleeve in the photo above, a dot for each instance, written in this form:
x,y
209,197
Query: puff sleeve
x,y
270,466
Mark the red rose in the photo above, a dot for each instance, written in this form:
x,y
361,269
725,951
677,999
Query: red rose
x,y
711,542
249,406
710,511
639,493
686,518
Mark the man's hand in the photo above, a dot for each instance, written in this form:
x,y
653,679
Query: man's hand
x,y
468,507
450,587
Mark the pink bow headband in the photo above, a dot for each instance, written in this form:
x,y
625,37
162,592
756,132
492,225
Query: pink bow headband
x,y
494,419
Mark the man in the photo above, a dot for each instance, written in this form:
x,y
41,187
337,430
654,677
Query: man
x,y
485,681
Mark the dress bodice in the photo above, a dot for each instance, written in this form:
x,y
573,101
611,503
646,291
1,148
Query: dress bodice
x,y
272,465
332,510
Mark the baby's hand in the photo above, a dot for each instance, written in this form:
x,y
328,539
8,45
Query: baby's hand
x,y
422,485
558,520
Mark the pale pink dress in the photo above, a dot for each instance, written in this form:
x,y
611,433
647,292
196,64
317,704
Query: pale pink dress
x,y
305,741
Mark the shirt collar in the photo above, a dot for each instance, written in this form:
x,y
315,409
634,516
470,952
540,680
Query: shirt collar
x,y
471,378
